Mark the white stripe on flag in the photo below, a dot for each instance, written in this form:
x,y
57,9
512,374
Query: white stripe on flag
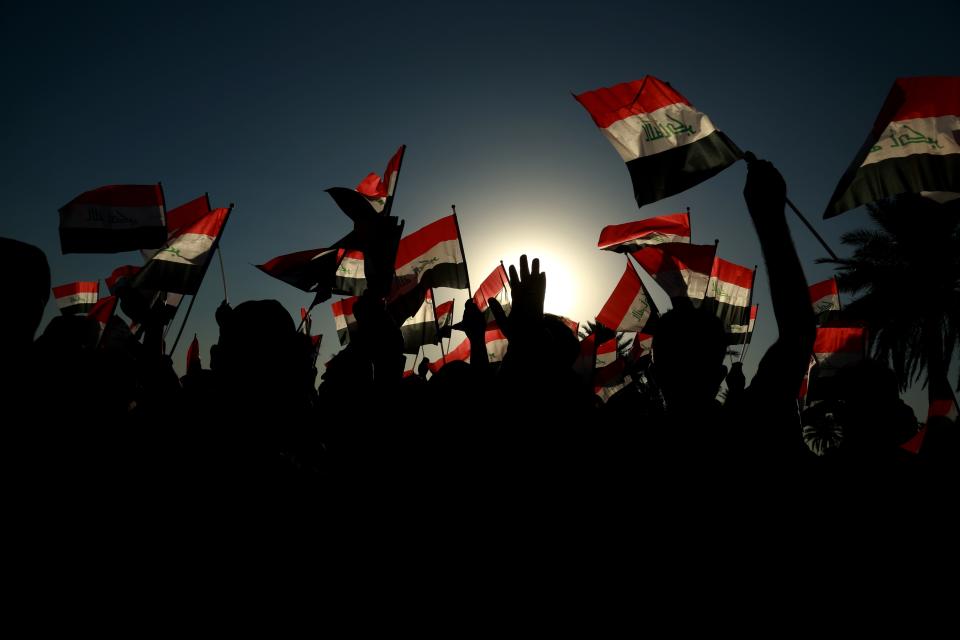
x,y
669,127
935,136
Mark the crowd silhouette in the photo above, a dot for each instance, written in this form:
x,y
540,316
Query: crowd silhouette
x,y
88,415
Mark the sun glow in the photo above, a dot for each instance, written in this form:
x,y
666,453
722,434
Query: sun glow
x,y
562,286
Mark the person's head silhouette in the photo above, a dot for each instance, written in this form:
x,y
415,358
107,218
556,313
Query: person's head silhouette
x,y
688,350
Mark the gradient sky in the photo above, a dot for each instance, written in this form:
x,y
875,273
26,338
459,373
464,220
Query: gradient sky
x,y
265,106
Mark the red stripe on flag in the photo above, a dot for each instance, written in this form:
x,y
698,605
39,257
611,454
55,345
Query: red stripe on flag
x,y
344,307
732,273
923,97
823,289
612,104
619,302
675,224
839,340
490,287
208,225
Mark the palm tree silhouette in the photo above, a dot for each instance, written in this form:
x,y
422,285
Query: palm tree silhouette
x,y
908,271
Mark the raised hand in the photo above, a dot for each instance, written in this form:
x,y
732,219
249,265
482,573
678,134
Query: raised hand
x,y
528,289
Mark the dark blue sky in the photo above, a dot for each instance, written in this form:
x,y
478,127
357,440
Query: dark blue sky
x,y
268,105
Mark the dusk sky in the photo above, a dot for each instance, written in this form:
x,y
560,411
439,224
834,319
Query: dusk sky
x,y
267,105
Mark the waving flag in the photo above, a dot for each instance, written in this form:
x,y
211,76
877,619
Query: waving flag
x,y
667,144
373,195
113,219
629,307
496,285
838,347
914,146
428,258
314,270
626,238
683,270
730,289
180,265
741,333
444,315
350,279
77,297
344,319
421,328
120,273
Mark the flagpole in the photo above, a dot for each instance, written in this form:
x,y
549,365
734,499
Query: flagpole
x,y
203,275
223,273
463,255
753,281
750,157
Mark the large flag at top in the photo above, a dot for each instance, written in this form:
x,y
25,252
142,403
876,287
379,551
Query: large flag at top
x,y
114,219
631,236
914,145
180,265
667,144
629,307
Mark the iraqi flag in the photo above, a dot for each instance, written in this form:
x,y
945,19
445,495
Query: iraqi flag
x,y
114,219
496,285
180,265
667,144
77,297
374,195
629,307
838,348
344,319
825,298
350,279
740,333
313,271
445,318
730,289
914,145
428,258
683,270
306,322
626,238
421,328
